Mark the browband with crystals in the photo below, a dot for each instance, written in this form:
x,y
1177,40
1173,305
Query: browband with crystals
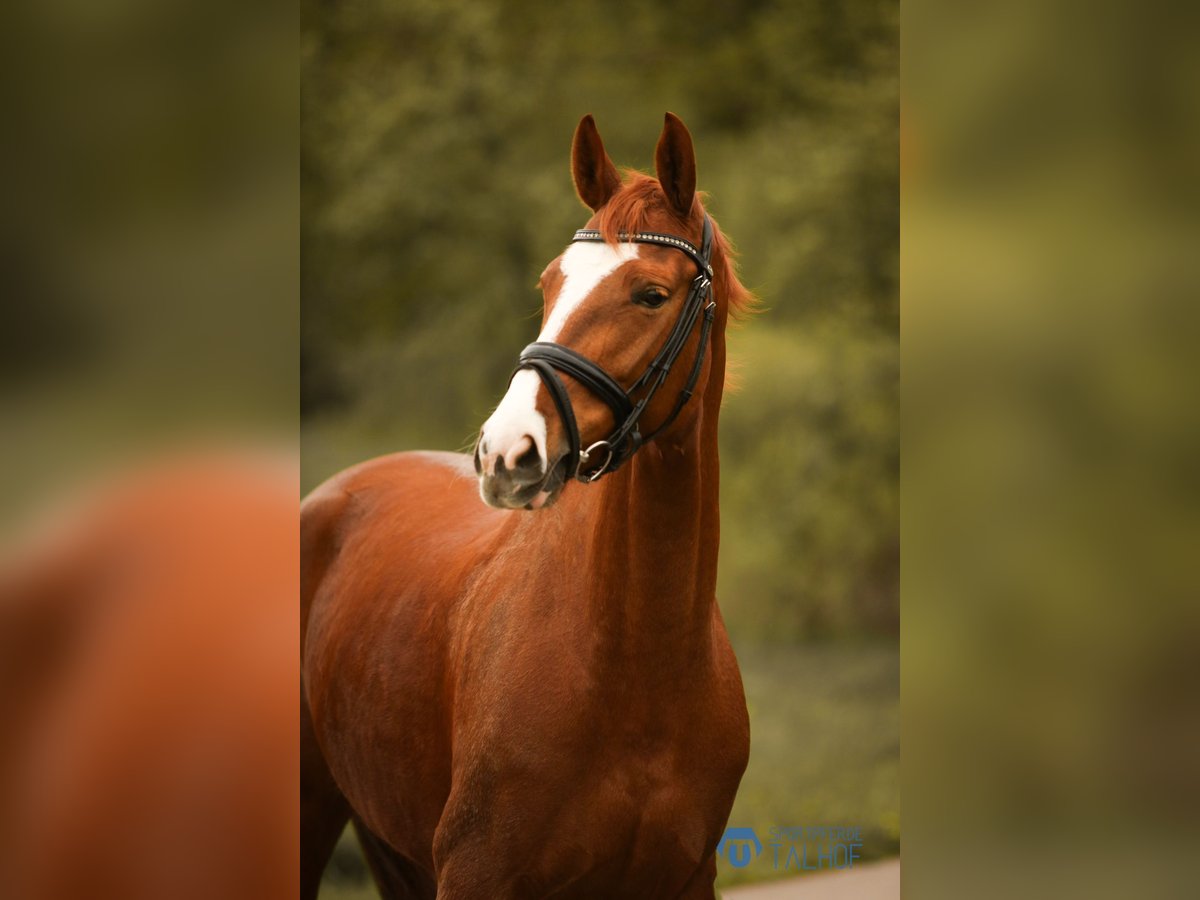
x,y
651,237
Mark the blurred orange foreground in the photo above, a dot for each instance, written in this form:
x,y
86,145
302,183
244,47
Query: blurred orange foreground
x,y
148,691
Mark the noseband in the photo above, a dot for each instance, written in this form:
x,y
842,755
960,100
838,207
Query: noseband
x,y
548,359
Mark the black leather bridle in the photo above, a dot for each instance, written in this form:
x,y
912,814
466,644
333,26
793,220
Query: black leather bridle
x,y
548,359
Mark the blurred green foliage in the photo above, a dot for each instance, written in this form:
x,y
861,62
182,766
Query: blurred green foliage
x,y
436,187
1052,505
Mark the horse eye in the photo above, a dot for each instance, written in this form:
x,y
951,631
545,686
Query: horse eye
x,y
651,297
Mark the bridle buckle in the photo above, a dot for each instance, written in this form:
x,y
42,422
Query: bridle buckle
x,y
585,456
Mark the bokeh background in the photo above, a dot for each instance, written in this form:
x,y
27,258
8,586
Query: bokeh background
x,y
436,186
1051,507
148,480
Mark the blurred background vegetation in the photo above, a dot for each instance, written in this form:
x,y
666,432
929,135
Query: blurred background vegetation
x,y
1051,502
435,188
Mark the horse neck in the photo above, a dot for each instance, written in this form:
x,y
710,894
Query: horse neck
x,y
652,536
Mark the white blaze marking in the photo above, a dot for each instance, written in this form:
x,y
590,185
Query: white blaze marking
x,y
583,266
516,417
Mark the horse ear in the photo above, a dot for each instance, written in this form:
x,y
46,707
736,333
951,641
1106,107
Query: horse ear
x,y
596,178
675,164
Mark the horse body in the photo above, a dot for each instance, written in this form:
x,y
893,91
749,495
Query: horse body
x,y
524,704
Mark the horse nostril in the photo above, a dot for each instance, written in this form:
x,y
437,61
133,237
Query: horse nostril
x,y
523,456
530,459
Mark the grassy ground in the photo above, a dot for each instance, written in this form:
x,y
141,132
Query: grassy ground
x,y
825,750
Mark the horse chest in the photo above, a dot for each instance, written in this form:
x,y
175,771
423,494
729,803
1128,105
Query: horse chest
x,y
618,828
633,841
606,801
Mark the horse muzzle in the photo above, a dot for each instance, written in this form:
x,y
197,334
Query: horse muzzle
x,y
517,477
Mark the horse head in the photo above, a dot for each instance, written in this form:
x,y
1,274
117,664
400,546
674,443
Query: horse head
x,y
631,296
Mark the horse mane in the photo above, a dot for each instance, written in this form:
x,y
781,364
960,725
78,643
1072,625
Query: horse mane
x,y
630,209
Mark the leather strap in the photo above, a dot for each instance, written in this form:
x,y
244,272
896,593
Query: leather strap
x,y
584,370
562,400
699,256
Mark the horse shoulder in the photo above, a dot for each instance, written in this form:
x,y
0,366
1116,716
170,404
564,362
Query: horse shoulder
x,y
401,500
385,547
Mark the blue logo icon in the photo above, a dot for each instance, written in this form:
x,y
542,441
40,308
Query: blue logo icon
x,y
743,846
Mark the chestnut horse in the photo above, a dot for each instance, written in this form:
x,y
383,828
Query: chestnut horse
x,y
519,704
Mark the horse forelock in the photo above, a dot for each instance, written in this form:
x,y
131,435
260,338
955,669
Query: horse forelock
x,y
640,205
